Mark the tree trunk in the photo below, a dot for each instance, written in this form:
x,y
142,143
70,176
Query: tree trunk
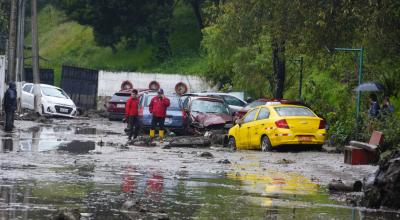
x,y
279,67
197,12
12,41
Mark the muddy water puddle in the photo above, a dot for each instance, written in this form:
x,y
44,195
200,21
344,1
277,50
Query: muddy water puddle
x,y
72,180
132,193
48,138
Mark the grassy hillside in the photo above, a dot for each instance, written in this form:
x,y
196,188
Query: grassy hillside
x,y
63,41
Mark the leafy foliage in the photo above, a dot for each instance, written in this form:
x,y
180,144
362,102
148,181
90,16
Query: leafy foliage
x,y
114,21
4,15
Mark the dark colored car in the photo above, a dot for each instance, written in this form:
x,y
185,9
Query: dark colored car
x,y
265,101
176,117
116,105
207,113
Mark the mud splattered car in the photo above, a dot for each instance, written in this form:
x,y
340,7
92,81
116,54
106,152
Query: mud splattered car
x,y
207,113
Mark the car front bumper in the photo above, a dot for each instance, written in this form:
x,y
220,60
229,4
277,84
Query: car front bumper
x,y
59,110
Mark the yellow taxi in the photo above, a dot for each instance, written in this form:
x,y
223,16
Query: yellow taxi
x,y
267,127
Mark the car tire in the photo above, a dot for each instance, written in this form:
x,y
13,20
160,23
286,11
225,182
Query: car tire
x,y
318,147
265,144
232,144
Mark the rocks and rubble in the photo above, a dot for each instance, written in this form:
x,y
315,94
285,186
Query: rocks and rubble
x,y
382,189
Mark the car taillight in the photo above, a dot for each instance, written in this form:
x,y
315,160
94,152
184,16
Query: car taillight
x,y
111,106
184,115
322,124
282,124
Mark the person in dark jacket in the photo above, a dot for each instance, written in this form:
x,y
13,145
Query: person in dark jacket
x,y
158,107
387,107
131,115
374,108
10,105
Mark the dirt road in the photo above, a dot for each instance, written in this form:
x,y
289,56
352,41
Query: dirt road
x,y
87,165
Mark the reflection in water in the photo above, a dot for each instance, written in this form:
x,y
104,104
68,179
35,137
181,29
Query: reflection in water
x,y
128,179
44,138
189,196
7,145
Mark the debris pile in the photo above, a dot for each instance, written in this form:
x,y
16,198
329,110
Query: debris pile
x,y
382,189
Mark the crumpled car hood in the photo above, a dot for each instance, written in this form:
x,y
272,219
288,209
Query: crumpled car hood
x,y
209,119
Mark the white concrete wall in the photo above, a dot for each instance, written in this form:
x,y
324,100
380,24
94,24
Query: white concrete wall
x,y
110,82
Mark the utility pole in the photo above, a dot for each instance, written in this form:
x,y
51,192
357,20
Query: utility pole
x,y
12,41
35,56
21,37
19,76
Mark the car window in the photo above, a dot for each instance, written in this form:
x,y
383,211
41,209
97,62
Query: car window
x,y
54,92
231,100
207,106
294,111
263,114
174,101
27,88
250,116
118,97
255,104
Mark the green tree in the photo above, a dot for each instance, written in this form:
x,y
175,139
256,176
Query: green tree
x,y
4,15
116,21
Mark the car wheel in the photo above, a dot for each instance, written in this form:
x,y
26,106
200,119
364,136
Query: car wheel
x,y
232,143
318,147
266,144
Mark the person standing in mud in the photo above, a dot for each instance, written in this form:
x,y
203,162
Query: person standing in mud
x,y
131,115
9,106
158,108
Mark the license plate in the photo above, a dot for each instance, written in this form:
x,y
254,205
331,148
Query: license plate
x,y
168,120
120,105
64,110
305,138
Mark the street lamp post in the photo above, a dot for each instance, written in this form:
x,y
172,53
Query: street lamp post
x,y
360,52
301,62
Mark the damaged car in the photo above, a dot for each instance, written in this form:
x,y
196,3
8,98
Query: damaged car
x,y
206,114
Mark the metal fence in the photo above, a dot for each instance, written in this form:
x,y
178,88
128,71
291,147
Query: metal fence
x,y
81,85
46,75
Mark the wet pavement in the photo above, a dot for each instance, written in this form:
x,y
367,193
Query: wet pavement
x,y
86,167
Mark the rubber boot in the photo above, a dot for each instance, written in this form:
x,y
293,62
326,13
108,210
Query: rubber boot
x,y
152,133
161,134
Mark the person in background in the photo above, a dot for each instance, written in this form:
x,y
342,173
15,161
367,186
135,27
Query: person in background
x,y
10,105
158,108
374,108
131,115
387,107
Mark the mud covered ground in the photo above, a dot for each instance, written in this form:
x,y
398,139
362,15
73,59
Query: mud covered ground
x,y
85,168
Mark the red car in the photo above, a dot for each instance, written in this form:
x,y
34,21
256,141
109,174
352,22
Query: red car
x,y
265,101
207,113
116,105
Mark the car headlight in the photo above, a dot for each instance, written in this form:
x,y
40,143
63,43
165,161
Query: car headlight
x,y
48,101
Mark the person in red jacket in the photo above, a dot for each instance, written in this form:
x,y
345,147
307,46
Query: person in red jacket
x,y
158,107
131,114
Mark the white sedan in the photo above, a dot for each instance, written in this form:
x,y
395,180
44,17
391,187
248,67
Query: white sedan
x,y
53,100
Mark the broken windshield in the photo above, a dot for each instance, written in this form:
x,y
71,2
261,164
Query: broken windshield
x,y
206,106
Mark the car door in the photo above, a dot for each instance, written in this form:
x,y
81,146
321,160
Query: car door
x,y
244,129
262,125
27,96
